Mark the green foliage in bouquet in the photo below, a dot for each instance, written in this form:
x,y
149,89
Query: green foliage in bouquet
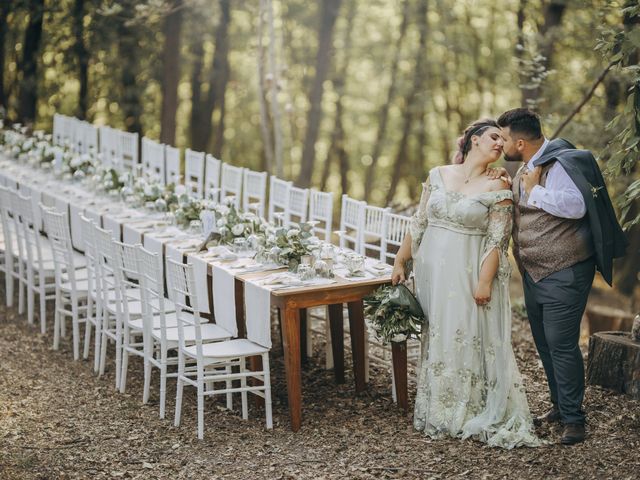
x,y
187,209
394,313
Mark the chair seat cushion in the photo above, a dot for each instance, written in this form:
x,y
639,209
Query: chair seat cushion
x,y
208,331
239,347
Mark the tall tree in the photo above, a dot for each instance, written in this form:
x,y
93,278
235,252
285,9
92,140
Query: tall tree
x,y
28,98
547,34
337,148
328,14
170,72
128,47
265,126
402,160
4,13
82,57
383,115
217,78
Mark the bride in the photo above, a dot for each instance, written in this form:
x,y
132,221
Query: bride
x,y
468,382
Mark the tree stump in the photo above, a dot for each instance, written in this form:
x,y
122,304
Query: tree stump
x,y
614,362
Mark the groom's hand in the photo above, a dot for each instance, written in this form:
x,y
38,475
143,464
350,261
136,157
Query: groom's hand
x,y
530,179
499,173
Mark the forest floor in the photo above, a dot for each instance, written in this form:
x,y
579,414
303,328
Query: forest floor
x,y
59,421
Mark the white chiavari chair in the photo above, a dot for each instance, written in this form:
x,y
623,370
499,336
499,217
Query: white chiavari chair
x,y
351,223
279,200
159,325
214,361
71,290
254,192
298,207
373,231
153,161
172,160
108,146
321,211
13,265
397,229
212,178
231,185
194,172
128,143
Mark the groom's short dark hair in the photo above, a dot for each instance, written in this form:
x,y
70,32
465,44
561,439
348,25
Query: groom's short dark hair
x,y
522,122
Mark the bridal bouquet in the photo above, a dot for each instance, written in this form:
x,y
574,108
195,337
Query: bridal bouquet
x,y
394,313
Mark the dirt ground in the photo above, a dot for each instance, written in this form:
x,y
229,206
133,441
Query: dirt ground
x,y
58,420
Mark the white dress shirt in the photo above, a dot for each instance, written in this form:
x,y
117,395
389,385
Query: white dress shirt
x,y
560,196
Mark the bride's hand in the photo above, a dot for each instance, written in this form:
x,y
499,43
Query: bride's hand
x,y
397,275
482,295
499,172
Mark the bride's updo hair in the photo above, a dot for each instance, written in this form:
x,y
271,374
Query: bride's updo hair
x,y
464,142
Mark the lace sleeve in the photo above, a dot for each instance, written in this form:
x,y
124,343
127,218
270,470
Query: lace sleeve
x,y
499,233
419,220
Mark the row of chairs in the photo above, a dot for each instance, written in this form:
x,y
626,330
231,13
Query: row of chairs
x,y
117,292
81,136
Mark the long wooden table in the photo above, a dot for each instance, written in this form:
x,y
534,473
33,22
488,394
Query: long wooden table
x,y
292,305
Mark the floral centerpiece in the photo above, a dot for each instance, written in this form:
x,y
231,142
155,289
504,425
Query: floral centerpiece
x,y
108,179
232,224
394,313
187,209
292,243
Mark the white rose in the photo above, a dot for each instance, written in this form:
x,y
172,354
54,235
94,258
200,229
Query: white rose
x,y
220,223
294,232
181,190
237,229
224,231
148,190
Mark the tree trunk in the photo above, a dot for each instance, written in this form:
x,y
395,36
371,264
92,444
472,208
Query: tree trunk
x,y
275,86
131,91
265,127
401,161
383,115
614,362
337,146
548,31
82,56
520,43
217,78
28,98
329,13
170,73
196,96
4,12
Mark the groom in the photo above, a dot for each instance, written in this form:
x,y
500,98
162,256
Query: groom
x,y
564,228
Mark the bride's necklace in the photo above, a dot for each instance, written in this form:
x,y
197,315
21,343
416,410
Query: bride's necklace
x,y
469,178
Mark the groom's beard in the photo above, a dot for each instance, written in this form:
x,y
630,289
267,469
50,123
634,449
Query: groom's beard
x,y
516,157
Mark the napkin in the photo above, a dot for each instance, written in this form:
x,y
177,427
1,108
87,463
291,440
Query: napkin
x,y
257,304
224,299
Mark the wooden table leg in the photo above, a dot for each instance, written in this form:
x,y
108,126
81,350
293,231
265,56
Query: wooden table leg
x,y
399,355
303,334
291,338
239,299
356,327
337,340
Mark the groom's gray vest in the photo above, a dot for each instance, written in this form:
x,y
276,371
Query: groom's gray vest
x,y
543,243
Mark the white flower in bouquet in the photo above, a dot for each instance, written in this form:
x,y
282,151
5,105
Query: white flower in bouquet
x,y
181,190
223,209
28,144
237,229
228,201
294,232
149,190
75,162
223,231
399,337
221,223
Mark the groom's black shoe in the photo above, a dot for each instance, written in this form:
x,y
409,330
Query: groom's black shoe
x,y
551,416
573,433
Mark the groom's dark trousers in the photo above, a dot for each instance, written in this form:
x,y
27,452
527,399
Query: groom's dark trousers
x,y
555,306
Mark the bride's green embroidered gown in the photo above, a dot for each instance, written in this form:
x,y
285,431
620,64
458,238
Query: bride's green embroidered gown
x,y
468,381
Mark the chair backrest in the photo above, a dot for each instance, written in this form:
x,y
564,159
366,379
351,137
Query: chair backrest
x,y
90,252
8,227
151,275
31,235
298,205
127,274
128,143
172,157
373,231
59,234
351,223
397,228
279,200
106,268
254,192
212,178
58,129
181,282
108,146
16,224
231,184
194,172
153,161
321,211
